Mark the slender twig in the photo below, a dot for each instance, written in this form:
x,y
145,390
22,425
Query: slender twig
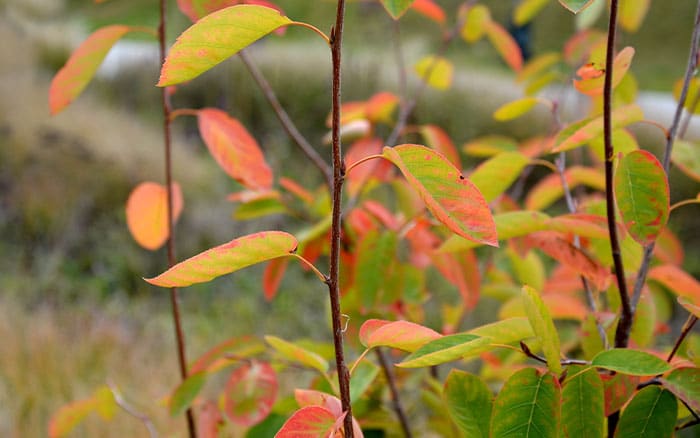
x,y
126,407
336,43
670,139
685,331
682,203
689,116
177,320
564,362
395,397
287,123
626,316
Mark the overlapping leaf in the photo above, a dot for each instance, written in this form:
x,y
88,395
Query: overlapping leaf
x,y
526,10
686,155
651,414
505,45
215,38
298,354
505,331
592,78
446,349
403,335
469,403
229,257
543,326
449,196
147,213
582,132
436,71
642,195
309,422
186,392
196,9
436,138
476,22
73,77
582,409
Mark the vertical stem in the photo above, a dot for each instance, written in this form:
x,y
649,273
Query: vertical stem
x,y
395,398
177,320
336,42
625,324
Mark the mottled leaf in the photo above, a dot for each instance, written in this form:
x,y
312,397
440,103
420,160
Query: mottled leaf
x,y
308,422
196,9
250,393
403,335
495,175
543,326
234,149
618,390
651,413
74,76
229,257
298,354
436,71
528,406
449,196
147,213
582,409
631,362
685,384
215,38
469,403
446,349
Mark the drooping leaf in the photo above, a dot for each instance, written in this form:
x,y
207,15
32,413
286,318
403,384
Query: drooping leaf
x,y
517,108
505,331
686,156
403,335
229,257
449,196
298,354
250,392
308,422
582,409
528,406
186,392
74,76
685,384
215,38
631,362
582,132
642,195
677,281
436,138
508,225
576,6
543,326
446,349
526,10
146,213
495,175
469,403
475,23
592,77
505,45
396,8
234,149
651,413
632,13
436,71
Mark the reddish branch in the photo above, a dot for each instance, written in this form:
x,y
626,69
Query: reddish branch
x,y
177,320
336,42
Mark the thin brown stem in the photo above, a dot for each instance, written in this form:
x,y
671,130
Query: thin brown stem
x,y
395,397
287,124
685,331
336,43
626,316
174,300
670,139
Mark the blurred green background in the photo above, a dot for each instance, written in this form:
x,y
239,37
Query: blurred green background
x,y
74,311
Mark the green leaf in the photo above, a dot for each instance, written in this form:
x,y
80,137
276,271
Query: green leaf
x,y
543,326
396,8
374,253
469,403
685,384
229,257
642,195
583,409
576,6
517,108
508,225
505,331
686,156
495,175
362,377
528,406
583,131
402,335
215,38
526,10
186,392
450,197
632,13
436,71
298,354
74,76
631,362
446,349
651,413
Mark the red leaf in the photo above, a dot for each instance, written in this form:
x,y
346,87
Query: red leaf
x,y
618,389
73,77
234,149
382,214
429,9
309,397
209,420
146,213
274,271
250,393
358,177
402,335
308,422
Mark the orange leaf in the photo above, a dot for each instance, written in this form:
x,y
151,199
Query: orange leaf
x,y
73,77
234,149
69,416
297,190
677,281
272,277
146,213
402,335
380,107
592,78
429,9
436,138
505,45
